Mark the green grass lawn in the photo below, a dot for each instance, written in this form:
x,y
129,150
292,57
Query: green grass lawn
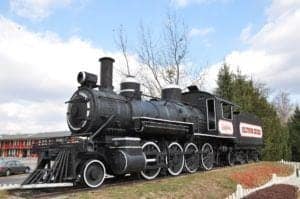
x,y
3,194
213,184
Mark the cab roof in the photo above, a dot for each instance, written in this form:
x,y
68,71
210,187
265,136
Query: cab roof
x,y
195,89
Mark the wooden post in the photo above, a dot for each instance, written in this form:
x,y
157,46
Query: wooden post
x,y
239,191
274,178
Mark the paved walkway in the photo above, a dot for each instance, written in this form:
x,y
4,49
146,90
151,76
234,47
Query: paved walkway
x,y
293,181
13,179
295,178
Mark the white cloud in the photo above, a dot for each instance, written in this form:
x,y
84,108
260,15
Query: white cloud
x,y
246,33
273,56
184,3
38,74
24,116
36,9
282,8
38,70
194,32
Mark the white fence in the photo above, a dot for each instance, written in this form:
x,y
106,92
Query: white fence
x,y
293,179
9,186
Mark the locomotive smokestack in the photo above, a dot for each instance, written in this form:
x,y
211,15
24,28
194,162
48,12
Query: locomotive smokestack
x,y
106,73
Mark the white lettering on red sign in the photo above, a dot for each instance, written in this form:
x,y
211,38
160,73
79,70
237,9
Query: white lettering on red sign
x,y
250,130
225,127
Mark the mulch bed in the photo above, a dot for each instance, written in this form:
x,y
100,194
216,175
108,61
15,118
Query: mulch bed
x,y
280,191
258,174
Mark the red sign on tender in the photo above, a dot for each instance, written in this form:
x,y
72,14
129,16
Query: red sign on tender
x,y
225,127
250,130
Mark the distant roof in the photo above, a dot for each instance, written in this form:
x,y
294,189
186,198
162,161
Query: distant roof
x,y
35,135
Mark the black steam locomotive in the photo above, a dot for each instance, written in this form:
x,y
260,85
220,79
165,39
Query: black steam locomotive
x,y
117,134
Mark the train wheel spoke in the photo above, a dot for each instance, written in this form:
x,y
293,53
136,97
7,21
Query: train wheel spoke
x,y
94,173
231,158
246,157
151,152
207,156
191,158
255,157
175,159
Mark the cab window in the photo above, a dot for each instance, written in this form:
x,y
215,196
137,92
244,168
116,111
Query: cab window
x,y
227,111
211,114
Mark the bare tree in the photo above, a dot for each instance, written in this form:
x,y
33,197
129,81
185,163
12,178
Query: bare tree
x,y
283,106
162,57
121,42
165,57
149,56
175,49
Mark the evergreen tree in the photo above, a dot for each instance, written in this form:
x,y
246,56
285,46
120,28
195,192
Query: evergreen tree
x,y
252,98
224,82
294,128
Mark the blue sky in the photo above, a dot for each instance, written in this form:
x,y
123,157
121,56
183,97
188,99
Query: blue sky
x,y
95,21
45,43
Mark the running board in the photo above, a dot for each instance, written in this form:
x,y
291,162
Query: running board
x,y
49,185
34,186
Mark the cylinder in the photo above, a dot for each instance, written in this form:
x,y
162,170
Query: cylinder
x,y
106,73
126,155
127,160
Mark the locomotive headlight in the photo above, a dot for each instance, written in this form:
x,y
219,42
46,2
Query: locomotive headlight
x,y
87,79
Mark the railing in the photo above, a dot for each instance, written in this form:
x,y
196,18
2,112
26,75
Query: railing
x,y
242,192
19,158
58,140
15,146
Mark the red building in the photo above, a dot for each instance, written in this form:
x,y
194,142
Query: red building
x,y
21,145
